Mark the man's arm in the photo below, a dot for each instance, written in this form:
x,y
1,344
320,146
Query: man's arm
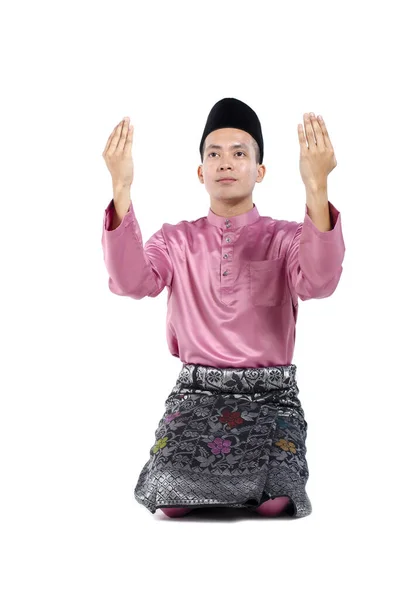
x,y
135,270
316,251
314,257
122,203
318,208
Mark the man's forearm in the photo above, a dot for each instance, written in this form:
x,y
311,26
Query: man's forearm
x,y
318,208
121,201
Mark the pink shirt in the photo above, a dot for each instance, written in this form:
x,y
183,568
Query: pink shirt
x,y
233,284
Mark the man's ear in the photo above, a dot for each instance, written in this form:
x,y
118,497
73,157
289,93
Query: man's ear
x,y
262,171
200,173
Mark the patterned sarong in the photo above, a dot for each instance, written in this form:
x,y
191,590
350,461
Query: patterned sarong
x,y
228,437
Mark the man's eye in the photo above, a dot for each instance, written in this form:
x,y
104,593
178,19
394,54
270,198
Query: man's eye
x,y
238,152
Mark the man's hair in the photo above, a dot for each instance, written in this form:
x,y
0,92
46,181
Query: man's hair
x,y
254,145
257,151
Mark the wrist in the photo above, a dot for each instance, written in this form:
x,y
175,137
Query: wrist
x,y
121,194
315,187
120,186
316,196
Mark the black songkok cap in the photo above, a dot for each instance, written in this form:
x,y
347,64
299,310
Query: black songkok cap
x,y
230,112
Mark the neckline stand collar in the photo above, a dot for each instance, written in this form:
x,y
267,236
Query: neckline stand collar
x,y
232,223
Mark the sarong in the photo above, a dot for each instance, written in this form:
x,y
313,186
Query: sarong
x,y
229,437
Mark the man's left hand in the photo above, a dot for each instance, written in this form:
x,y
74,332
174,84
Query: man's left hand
x,y
317,158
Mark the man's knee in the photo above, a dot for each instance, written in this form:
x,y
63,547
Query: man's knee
x,y
274,506
176,512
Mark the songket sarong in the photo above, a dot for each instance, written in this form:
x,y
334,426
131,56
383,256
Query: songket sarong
x,y
229,437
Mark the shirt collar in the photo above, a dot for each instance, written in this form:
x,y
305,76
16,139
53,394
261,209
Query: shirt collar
x,y
232,223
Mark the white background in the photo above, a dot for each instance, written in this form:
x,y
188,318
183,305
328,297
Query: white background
x,y
80,364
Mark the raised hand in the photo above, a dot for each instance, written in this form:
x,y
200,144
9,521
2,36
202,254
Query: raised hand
x,y
317,158
118,155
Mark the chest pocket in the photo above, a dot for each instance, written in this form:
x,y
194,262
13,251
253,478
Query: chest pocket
x,y
268,282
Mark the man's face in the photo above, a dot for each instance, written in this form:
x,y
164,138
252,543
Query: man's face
x,y
229,160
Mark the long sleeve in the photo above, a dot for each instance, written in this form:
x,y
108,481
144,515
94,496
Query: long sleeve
x,y
134,270
314,258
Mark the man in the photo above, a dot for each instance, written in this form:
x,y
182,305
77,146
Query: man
x,y
233,432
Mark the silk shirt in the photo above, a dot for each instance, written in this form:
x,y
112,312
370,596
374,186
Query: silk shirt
x,y
233,283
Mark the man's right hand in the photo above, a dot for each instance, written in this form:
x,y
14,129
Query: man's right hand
x,y
118,154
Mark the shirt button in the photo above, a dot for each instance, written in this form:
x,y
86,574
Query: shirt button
x,y
228,225
226,273
228,239
225,255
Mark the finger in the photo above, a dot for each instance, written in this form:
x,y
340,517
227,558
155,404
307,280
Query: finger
x,y
110,139
318,132
128,142
301,135
114,137
327,141
309,130
121,134
123,143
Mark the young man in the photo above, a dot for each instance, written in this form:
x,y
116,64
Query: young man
x,y
233,433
